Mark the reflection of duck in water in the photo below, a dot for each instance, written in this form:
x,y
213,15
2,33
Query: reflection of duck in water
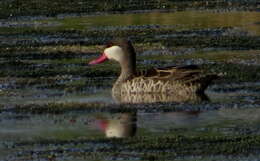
x,y
182,118
181,81
120,125
171,121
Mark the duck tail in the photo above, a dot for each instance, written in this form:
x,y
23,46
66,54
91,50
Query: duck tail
x,y
206,80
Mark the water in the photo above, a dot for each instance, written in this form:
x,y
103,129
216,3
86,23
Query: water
x,y
26,134
72,126
44,68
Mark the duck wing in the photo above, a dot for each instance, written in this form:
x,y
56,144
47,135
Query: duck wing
x,y
177,73
188,75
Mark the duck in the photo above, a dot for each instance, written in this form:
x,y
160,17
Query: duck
x,y
180,81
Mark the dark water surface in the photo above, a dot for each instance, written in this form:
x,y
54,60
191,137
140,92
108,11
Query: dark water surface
x,y
24,134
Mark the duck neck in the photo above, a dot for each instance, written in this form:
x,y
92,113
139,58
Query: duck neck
x,y
128,70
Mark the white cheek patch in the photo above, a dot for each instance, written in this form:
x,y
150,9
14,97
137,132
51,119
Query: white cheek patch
x,y
114,52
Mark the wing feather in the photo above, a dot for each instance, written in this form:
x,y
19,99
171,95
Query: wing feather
x,y
188,74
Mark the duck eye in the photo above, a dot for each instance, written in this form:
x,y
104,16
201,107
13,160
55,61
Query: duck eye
x,y
109,45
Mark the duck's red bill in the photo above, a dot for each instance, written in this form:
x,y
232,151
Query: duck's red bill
x,y
99,60
102,124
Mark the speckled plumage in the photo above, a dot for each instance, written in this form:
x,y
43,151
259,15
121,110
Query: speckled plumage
x,y
172,80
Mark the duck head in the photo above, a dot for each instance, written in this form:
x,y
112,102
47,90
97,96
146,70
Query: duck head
x,y
114,52
120,50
